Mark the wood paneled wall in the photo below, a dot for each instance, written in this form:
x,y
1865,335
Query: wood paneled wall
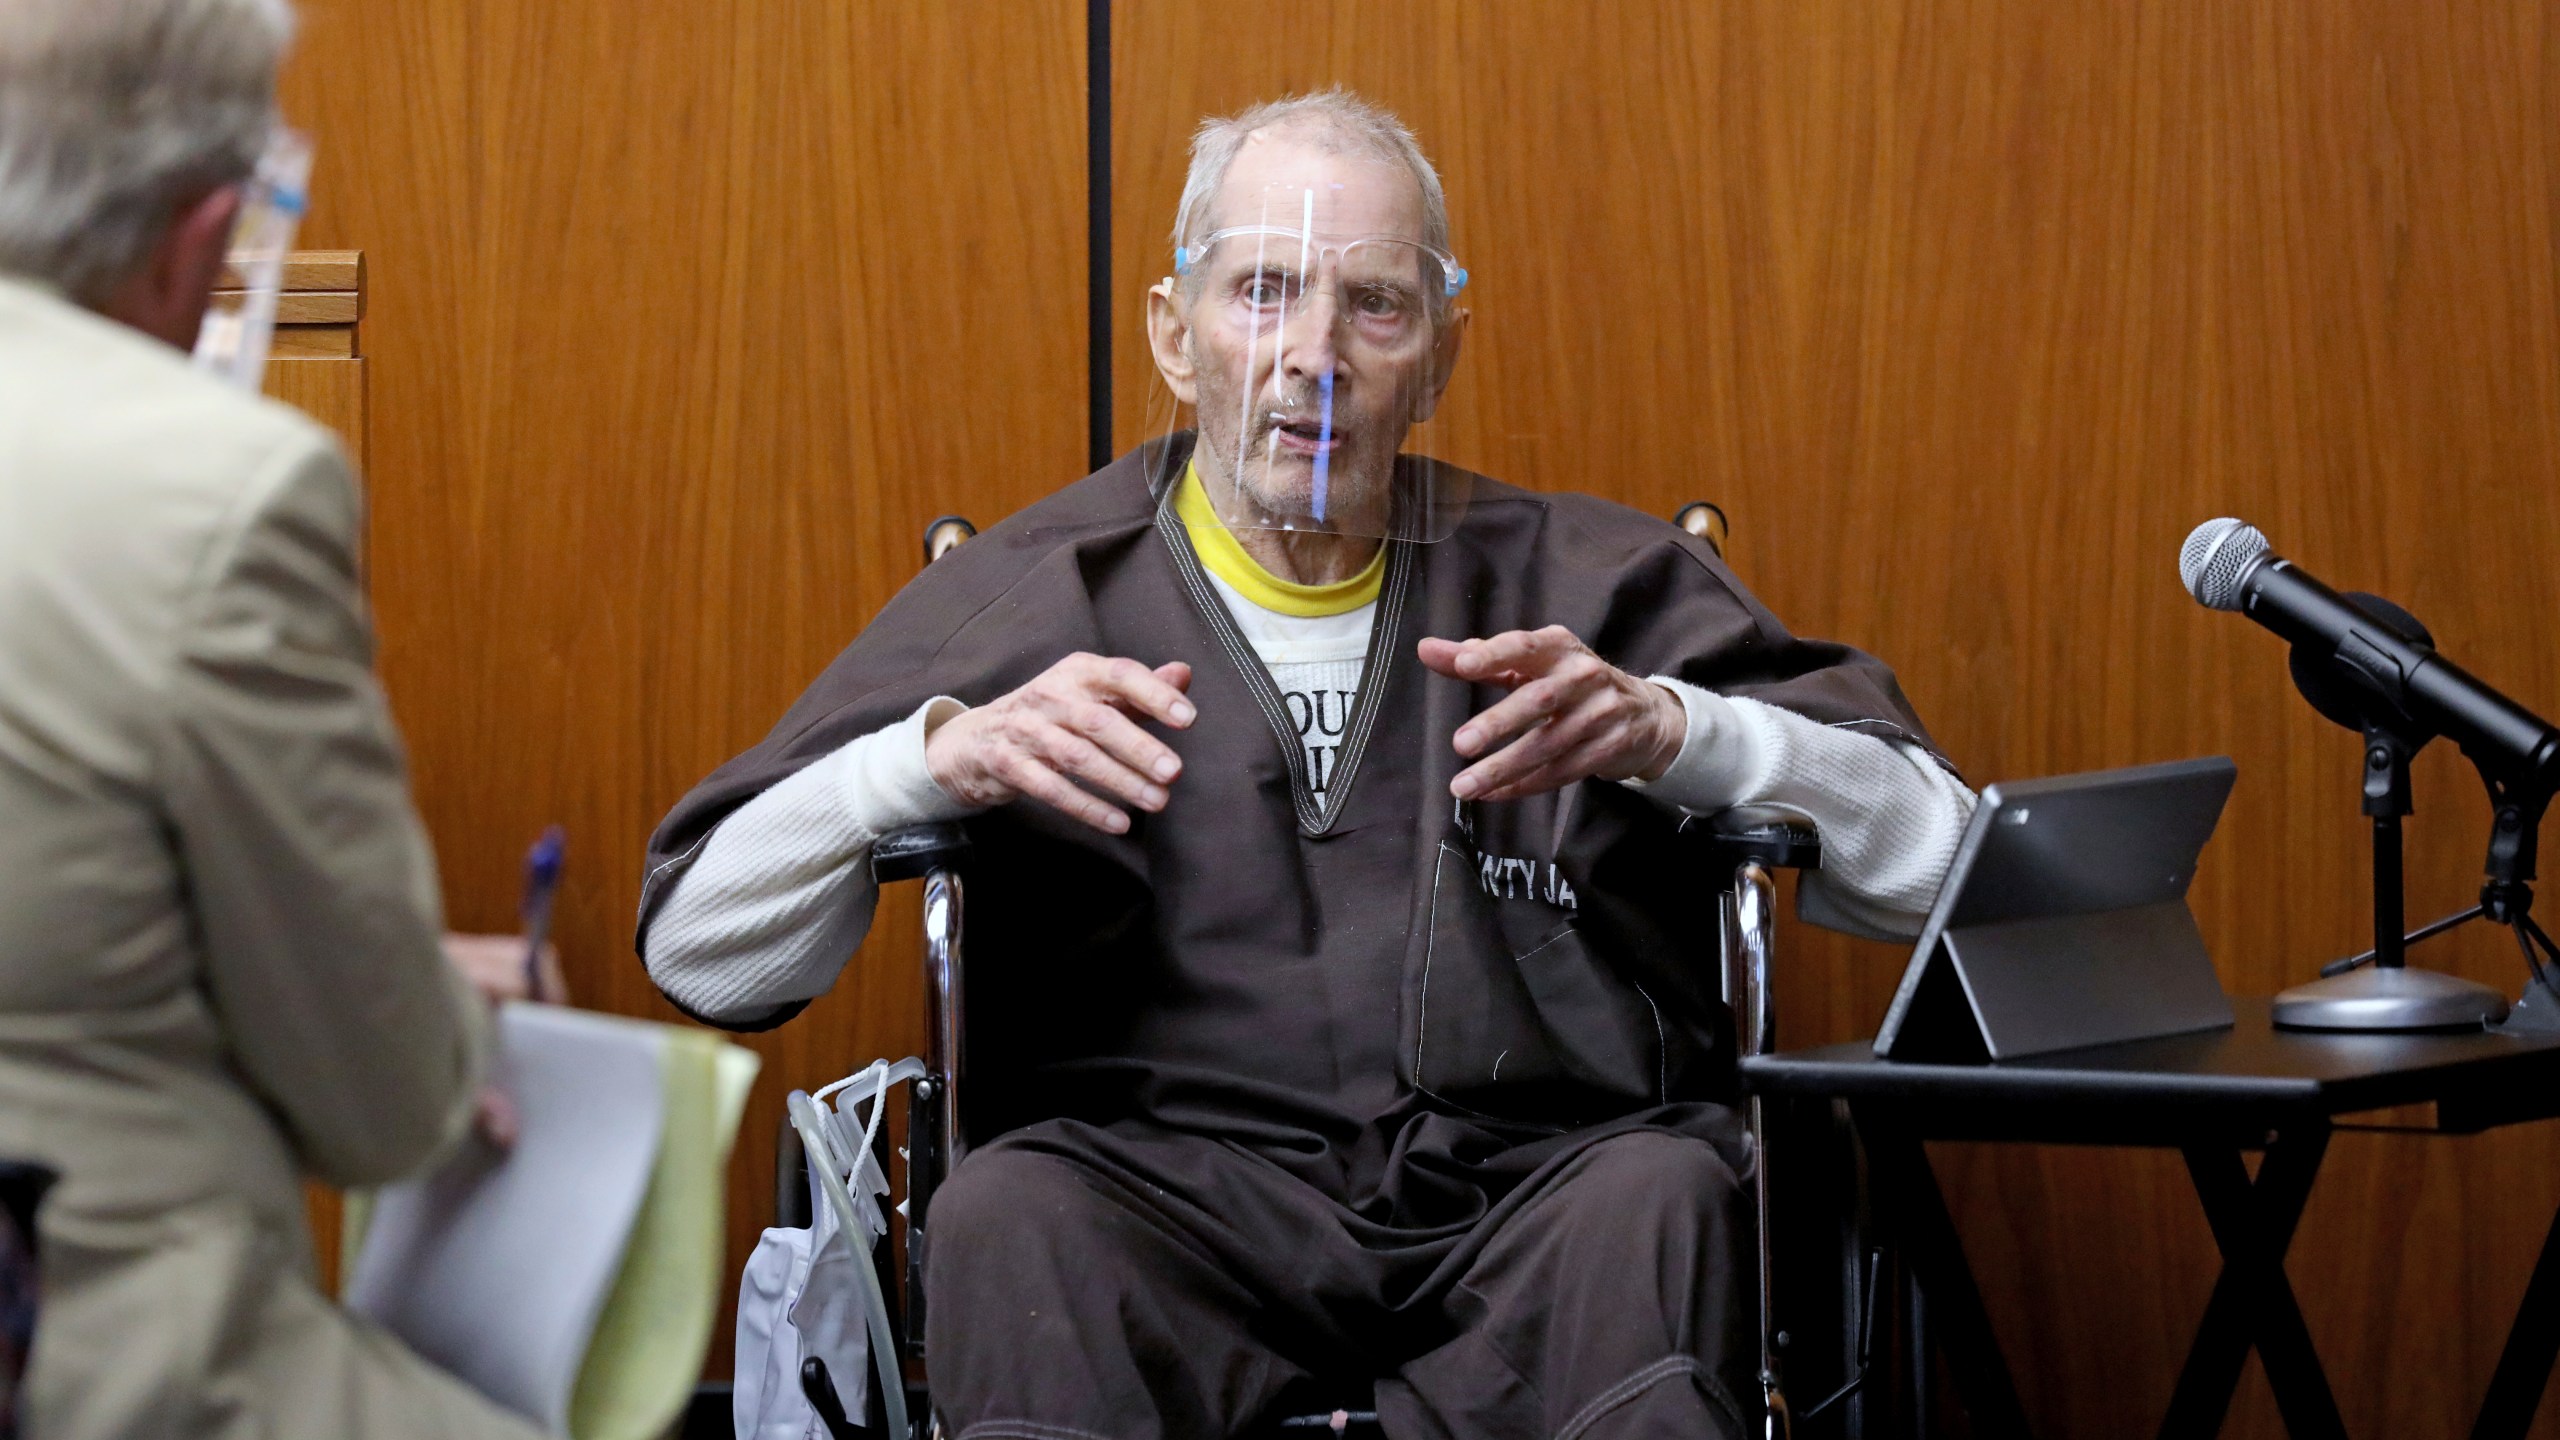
x,y
686,317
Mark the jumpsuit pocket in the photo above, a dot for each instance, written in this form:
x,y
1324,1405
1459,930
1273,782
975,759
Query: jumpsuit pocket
x,y
1533,1026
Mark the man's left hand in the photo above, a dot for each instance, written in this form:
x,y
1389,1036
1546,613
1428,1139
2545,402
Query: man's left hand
x,y
494,966
1570,716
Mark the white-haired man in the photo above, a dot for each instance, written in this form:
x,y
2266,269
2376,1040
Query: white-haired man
x,y
1336,1000
219,960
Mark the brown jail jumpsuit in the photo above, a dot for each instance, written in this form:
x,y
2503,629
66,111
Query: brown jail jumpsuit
x,y
1395,1088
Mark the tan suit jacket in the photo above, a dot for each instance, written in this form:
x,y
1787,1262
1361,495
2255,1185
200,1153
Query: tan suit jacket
x,y
218,915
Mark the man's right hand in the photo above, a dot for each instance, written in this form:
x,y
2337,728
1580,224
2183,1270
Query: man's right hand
x,y
1076,722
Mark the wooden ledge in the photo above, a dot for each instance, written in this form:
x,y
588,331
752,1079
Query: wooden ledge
x,y
321,308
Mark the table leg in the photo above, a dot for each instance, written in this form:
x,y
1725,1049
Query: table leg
x,y
2253,1301
1910,1206
2533,1343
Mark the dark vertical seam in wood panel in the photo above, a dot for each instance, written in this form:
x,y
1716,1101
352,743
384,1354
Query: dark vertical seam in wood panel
x,y
1097,171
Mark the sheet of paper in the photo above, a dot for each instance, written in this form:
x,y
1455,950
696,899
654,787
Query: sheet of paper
x,y
495,1267
656,1324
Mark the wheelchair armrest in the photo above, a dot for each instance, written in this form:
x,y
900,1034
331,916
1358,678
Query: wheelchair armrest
x,y
911,853
1749,841
1778,838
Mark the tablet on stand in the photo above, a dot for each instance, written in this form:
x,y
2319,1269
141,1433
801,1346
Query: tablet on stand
x,y
2064,920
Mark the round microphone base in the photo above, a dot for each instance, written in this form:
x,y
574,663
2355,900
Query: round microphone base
x,y
2375,998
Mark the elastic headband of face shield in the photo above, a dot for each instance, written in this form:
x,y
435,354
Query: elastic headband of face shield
x,y
239,328
1307,357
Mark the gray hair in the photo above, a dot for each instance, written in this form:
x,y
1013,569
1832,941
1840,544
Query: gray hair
x,y
113,113
1334,115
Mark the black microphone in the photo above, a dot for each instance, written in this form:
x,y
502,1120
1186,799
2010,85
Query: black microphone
x,y
2227,566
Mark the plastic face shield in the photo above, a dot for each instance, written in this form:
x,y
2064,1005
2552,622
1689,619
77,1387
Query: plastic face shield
x,y
1310,358
241,323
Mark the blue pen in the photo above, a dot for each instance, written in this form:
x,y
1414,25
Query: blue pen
x,y
541,882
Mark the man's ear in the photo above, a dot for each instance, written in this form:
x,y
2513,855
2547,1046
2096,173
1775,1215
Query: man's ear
x,y
1169,340
166,295
1444,363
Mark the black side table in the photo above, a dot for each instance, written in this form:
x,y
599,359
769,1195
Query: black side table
x,y
2212,1096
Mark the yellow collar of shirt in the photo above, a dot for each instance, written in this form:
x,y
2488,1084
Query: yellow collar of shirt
x,y
1226,558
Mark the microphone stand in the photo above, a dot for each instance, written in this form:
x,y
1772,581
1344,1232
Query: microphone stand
x,y
2386,799
2506,898
2385,994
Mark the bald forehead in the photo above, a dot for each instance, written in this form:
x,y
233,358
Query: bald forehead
x,y
1355,190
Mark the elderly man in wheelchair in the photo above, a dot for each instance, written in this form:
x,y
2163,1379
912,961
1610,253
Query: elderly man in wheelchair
x,y
1335,997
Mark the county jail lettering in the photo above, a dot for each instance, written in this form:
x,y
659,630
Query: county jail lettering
x,y
1505,877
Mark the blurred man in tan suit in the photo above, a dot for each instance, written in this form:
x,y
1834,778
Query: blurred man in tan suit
x,y
219,962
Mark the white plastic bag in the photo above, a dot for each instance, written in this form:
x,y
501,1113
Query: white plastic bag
x,y
765,1402
813,1293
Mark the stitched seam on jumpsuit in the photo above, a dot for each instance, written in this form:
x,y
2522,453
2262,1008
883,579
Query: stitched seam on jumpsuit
x,y
1661,1049
1661,1039
1430,943
1645,1379
1906,737
1249,666
1543,944
1383,630
1027,1430
679,857
650,898
1423,1010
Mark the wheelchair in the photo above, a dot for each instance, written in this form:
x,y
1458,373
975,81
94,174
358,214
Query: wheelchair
x,y
1841,1274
